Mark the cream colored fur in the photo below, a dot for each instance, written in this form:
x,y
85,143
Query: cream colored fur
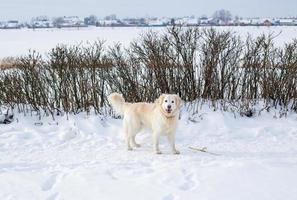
x,y
161,117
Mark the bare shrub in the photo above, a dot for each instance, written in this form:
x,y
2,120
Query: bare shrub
x,y
201,65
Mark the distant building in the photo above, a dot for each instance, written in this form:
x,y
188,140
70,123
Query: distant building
x,y
192,21
223,23
262,22
109,22
156,22
11,24
287,22
244,22
135,22
204,21
41,22
69,21
268,22
181,21
255,21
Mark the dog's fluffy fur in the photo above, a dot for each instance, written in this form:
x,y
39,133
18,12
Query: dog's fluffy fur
x,y
161,117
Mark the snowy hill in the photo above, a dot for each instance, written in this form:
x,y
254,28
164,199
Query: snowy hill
x,y
85,158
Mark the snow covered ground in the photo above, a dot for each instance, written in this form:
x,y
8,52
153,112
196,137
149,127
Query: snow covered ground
x,y
18,42
85,158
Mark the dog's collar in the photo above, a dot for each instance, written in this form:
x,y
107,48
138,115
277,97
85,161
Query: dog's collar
x,y
170,117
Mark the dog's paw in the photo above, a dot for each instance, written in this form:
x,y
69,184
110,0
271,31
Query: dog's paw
x,y
129,149
137,145
176,152
158,152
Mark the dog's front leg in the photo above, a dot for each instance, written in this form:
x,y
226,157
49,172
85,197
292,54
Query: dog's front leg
x,y
171,140
156,136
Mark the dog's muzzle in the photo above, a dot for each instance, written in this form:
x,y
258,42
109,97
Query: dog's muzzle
x,y
168,110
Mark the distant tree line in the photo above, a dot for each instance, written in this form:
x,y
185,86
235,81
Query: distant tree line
x,y
200,65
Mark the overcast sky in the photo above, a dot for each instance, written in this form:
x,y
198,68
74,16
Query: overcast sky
x,y
25,9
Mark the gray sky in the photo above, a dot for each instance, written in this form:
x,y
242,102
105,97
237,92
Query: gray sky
x,y
25,9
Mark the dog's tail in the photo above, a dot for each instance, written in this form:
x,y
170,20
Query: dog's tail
x,y
117,102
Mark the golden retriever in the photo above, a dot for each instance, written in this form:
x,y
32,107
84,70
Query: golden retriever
x,y
161,117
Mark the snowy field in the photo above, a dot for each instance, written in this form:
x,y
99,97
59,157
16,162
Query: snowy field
x,y
85,158
18,42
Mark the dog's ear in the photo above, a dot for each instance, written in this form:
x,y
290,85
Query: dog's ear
x,y
160,99
178,101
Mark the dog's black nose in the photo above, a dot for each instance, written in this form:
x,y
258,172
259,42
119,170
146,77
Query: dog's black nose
x,y
169,106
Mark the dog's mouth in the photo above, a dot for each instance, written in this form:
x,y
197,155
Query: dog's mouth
x,y
168,110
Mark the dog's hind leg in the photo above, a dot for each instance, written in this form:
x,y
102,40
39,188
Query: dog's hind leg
x,y
134,142
134,128
132,132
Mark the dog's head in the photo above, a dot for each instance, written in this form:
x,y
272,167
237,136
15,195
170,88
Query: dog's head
x,y
169,104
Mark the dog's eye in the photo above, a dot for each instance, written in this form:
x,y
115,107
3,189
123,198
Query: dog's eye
x,y
172,101
165,100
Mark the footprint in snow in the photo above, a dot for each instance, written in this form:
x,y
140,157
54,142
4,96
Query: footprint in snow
x,y
53,196
111,175
189,183
49,183
169,197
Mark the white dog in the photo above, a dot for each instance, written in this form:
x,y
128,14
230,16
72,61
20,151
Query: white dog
x,y
160,117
